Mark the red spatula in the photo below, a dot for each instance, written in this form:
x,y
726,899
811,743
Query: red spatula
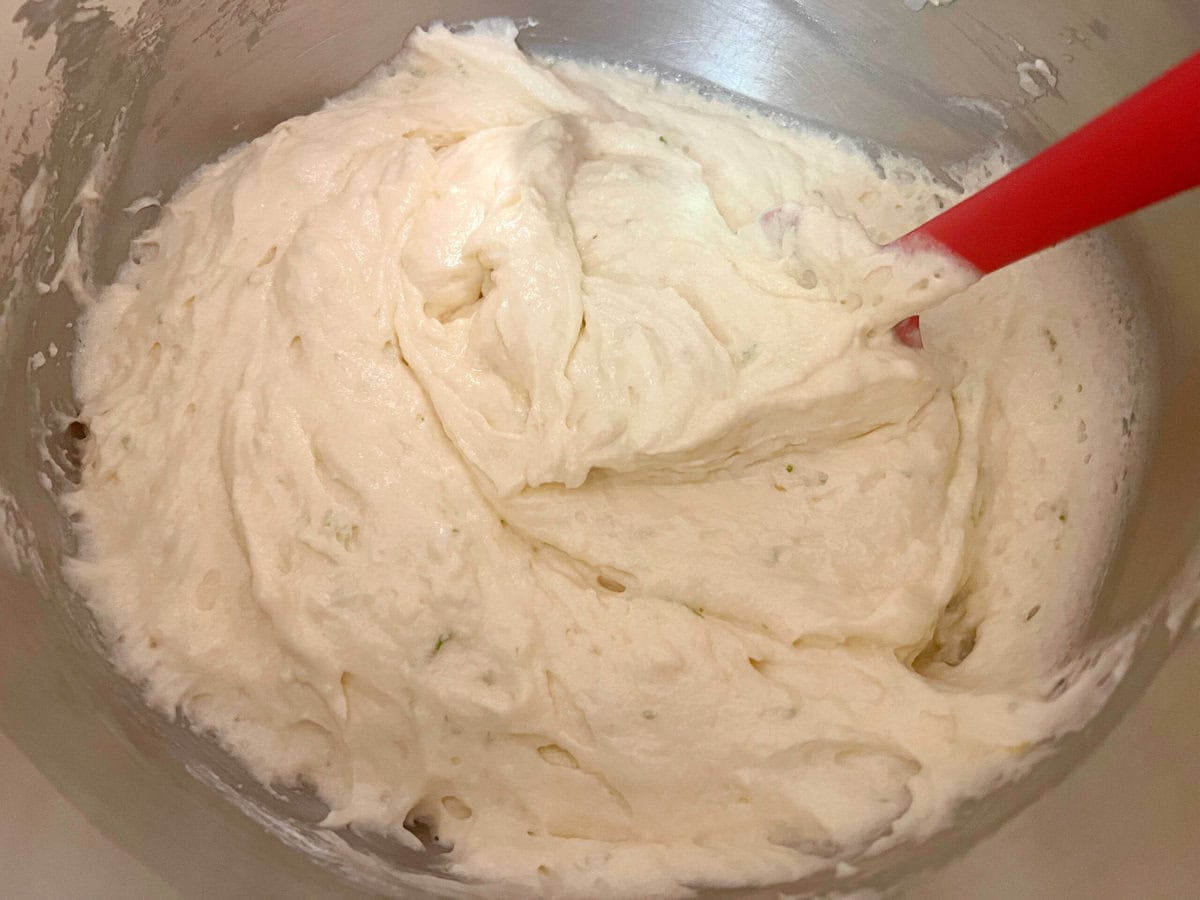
x,y
1143,150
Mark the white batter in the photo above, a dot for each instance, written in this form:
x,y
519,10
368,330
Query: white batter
x,y
522,450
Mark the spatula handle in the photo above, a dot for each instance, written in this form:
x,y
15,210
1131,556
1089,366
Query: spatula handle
x,y
1139,152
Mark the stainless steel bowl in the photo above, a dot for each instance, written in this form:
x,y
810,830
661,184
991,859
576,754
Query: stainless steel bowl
x,y
158,88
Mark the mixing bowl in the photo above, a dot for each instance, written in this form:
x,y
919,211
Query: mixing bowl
x,y
105,104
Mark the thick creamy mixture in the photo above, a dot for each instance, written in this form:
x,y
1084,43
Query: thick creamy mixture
x,y
519,454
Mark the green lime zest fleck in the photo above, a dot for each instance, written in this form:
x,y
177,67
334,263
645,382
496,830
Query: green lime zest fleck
x,y
790,468
442,641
